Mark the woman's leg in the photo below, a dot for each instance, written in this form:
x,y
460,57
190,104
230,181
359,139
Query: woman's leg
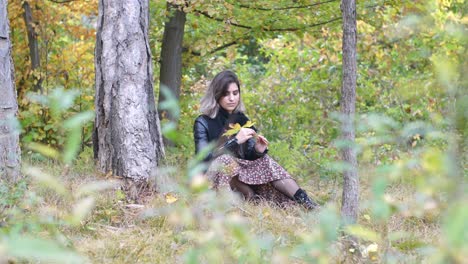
x,y
290,188
241,187
287,186
223,171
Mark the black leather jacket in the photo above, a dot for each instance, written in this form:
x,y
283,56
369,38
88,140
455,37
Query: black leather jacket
x,y
207,130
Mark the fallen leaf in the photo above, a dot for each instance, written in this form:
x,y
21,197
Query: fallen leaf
x,y
373,247
367,217
171,198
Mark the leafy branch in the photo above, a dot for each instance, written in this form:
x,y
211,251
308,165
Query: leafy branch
x,y
283,8
265,28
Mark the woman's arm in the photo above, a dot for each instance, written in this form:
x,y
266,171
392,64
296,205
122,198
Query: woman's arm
x,y
251,146
252,153
200,136
202,140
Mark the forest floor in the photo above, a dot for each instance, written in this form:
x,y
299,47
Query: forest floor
x,y
184,224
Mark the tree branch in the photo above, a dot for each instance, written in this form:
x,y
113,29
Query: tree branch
x,y
61,1
264,28
284,8
232,43
205,14
235,42
304,27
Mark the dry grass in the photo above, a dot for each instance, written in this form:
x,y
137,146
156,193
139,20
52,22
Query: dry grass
x,y
117,231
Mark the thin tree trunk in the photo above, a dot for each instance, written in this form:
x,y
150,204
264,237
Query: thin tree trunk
x,y
170,74
350,202
458,143
33,47
10,155
127,135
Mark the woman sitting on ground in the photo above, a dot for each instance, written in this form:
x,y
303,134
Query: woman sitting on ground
x,y
241,160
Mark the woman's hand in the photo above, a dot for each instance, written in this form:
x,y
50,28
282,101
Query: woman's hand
x,y
245,134
262,144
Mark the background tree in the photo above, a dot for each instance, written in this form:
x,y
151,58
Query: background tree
x,y
170,74
127,138
33,46
350,202
9,141
65,35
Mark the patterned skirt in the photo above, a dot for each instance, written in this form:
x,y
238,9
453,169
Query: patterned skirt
x,y
258,174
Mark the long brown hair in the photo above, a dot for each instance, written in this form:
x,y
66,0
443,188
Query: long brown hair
x,y
216,89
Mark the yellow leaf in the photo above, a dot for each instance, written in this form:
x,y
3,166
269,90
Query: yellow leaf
x,y
235,126
248,124
230,132
373,247
372,251
171,198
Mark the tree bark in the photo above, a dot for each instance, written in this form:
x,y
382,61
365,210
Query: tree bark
x,y
10,154
350,201
170,74
127,135
33,47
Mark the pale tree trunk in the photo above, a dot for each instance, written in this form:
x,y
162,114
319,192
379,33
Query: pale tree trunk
x,y
350,202
33,47
170,74
458,143
127,135
9,138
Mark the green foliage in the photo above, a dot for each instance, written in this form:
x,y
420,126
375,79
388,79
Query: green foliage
x,y
39,250
64,129
410,143
65,36
28,231
455,230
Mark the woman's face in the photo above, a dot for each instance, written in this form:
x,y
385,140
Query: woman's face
x,y
230,99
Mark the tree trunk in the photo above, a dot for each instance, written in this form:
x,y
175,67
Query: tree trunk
x,y
33,47
350,202
127,135
9,140
170,74
458,143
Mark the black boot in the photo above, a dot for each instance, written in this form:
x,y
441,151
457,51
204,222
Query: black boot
x,y
301,198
